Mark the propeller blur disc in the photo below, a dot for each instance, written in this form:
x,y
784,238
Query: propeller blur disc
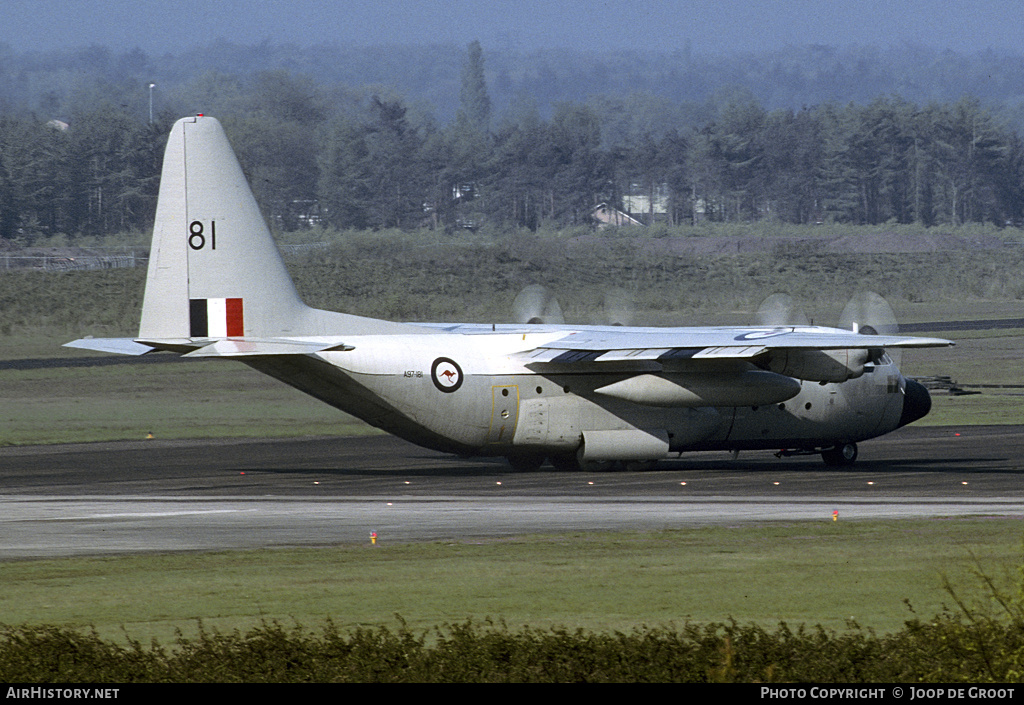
x,y
617,305
870,314
780,310
535,304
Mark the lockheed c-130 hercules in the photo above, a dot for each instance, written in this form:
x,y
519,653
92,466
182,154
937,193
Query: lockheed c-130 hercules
x,y
576,395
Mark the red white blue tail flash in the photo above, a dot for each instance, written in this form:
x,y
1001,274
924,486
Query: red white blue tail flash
x,y
215,318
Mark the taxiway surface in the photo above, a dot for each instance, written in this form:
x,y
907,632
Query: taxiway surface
x,y
141,496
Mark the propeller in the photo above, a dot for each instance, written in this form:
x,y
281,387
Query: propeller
x,y
535,304
870,314
617,306
866,313
780,310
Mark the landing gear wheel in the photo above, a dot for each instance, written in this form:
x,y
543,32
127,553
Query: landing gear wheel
x,y
565,462
525,463
575,463
844,454
594,465
639,465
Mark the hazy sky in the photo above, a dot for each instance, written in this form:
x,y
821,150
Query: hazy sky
x,y
710,25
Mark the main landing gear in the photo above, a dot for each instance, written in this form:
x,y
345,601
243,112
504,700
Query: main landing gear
x,y
525,463
839,455
570,462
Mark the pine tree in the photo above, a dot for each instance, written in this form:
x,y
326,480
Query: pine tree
x,y
474,104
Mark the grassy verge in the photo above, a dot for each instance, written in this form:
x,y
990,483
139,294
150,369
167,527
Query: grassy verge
x,y
176,400
975,410
432,276
821,573
824,573
210,399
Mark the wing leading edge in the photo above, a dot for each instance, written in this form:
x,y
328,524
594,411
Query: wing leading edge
x,y
732,342
818,354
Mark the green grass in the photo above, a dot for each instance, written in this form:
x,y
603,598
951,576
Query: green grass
x,y
213,398
802,573
975,410
207,399
809,573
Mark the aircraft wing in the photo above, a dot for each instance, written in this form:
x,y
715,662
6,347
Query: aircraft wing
x,y
564,346
612,345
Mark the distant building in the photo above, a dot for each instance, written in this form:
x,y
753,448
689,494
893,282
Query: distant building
x,y
606,216
649,202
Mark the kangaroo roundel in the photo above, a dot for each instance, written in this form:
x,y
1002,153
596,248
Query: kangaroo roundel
x,y
447,374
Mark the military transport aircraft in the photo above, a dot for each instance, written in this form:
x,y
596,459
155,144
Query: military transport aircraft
x,y
576,395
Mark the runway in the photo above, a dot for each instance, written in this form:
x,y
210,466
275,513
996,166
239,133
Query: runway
x,y
153,496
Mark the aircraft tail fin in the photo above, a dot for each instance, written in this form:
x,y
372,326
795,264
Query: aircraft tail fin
x,y
214,269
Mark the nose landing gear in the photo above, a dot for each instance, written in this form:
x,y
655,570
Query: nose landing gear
x,y
844,454
839,455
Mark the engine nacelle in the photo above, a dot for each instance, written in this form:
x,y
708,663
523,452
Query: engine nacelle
x,y
731,388
819,365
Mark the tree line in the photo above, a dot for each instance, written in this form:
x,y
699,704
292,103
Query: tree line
x,y
364,159
666,87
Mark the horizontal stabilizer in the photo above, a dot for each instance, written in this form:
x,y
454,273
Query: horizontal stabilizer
x,y
243,347
122,346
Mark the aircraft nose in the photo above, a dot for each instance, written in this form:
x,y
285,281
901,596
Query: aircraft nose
x,y
916,402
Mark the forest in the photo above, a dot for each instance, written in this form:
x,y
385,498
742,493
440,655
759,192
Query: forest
x,y
452,138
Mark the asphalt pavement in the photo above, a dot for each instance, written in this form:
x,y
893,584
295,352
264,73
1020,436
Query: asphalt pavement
x,y
145,496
